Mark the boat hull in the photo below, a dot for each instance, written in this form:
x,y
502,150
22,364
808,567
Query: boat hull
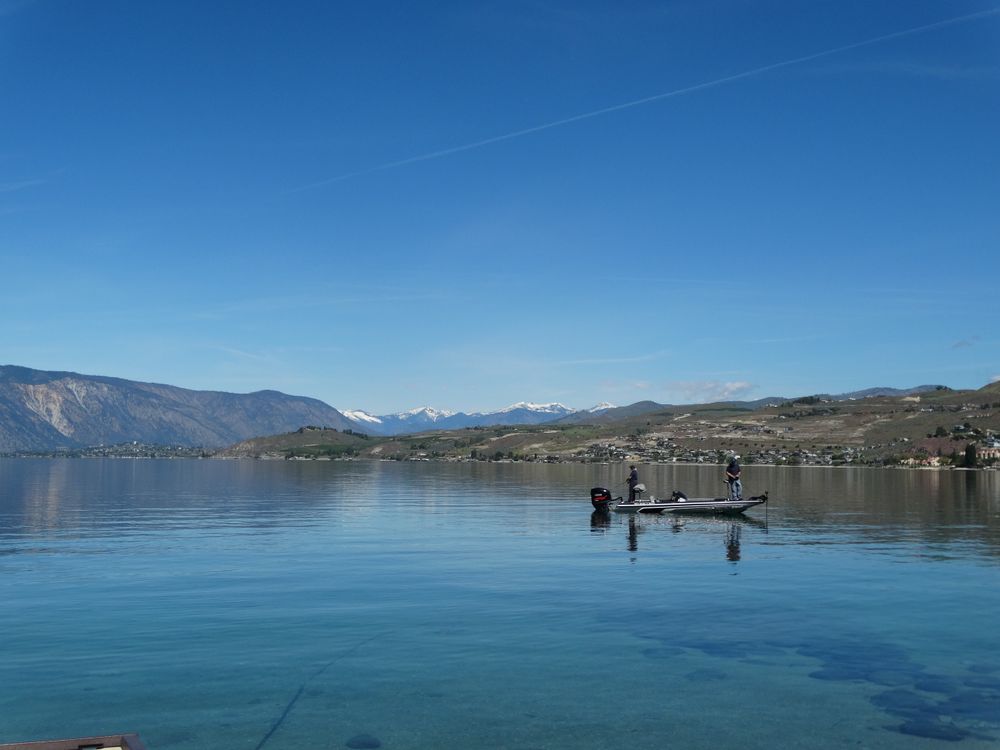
x,y
720,506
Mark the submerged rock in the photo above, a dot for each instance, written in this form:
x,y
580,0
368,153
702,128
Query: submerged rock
x,y
839,674
932,683
364,742
907,704
706,675
984,668
724,648
882,664
894,677
666,652
986,682
971,704
869,657
933,730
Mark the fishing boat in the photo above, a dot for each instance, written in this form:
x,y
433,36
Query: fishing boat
x,y
677,503
108,742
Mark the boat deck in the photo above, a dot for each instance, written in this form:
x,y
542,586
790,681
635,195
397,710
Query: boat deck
x,y
108,742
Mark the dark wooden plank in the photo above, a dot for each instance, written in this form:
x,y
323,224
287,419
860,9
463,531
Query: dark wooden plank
x,y
125,741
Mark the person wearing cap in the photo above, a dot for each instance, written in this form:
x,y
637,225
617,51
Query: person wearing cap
x,y
632,481
733,477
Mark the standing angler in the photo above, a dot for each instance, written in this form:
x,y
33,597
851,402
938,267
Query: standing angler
x,y
632,481
733,477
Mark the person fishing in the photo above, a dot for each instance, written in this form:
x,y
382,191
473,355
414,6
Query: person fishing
x,y
632,481
733,477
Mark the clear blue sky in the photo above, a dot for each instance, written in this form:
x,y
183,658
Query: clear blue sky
x,y
340,200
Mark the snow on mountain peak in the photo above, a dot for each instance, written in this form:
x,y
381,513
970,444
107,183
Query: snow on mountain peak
x,y
553,408
603,406
428,418
357,415
425,411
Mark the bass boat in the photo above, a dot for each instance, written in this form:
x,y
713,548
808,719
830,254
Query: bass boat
x,y
601,499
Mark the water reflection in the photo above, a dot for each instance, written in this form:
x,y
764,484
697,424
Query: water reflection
x,y
77,498
483,581
938,508
600,520
733,543
695,528
80,498
633,534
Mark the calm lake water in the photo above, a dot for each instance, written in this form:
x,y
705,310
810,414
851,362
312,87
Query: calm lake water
x,y
252,605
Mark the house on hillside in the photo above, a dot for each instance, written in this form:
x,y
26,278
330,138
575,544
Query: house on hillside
x,y
922,461
988,451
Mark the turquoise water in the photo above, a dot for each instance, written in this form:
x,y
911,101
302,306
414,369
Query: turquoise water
x,y
257,605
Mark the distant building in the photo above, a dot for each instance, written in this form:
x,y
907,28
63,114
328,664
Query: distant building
x,y
988,452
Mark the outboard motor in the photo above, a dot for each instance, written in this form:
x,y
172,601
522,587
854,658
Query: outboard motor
x,y
600,497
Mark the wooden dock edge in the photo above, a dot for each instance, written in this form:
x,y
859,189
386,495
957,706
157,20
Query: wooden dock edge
x,y
123,741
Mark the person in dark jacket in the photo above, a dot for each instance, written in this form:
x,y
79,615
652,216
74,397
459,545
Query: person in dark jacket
x,y
733,477
632,481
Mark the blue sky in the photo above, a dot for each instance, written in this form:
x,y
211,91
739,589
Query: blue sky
x,y
391,204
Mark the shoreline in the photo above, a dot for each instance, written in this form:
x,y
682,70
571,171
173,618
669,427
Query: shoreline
x,y
270,458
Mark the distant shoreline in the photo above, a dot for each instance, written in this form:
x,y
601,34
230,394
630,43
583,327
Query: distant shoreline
x,y
209,457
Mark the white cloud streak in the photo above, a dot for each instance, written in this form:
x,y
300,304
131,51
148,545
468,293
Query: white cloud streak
x,y
615,360
966,343
649,99
12,187
917,69
707,391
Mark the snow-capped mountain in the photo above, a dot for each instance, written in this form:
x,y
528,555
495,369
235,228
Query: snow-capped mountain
x,y
553,407
601,407
530,408
362,417
425,412
413,420
426,418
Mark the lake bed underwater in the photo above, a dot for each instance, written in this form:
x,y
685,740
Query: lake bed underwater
x,y
256,605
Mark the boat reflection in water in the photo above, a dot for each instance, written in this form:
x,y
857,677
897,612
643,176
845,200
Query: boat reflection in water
x,y
600,520
729,528
733,542
633,535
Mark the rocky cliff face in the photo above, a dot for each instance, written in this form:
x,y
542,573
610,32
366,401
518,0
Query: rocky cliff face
x,y
49,410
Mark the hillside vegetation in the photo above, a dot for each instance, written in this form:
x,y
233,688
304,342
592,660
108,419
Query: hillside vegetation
x,y
306,442
933,427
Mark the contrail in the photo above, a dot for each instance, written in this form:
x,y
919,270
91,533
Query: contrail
x,y
646,100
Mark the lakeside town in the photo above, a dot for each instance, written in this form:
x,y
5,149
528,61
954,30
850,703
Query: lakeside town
x,y
965,447
809,432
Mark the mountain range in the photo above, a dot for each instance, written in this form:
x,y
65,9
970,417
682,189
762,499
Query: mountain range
x,y
49,410
615,413
43,411
426,418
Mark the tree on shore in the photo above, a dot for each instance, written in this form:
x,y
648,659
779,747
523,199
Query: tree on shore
x,y
971,457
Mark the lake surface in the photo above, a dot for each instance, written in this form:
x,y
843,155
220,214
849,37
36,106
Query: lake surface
x,y
265,605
